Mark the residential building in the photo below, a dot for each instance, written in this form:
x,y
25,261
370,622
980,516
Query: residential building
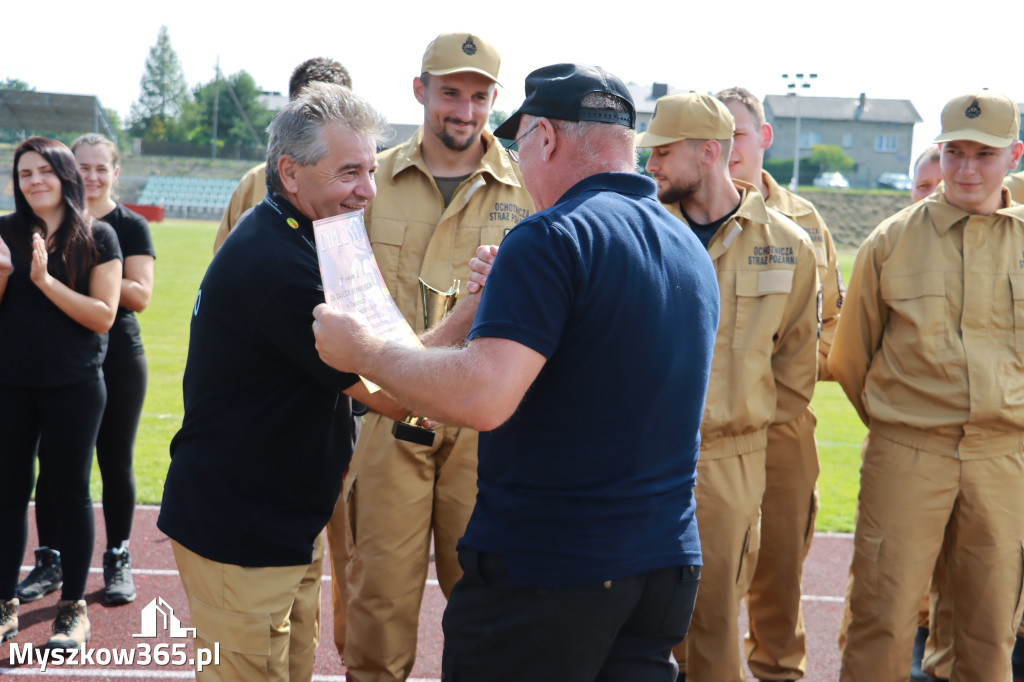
x,y
878,134
645,96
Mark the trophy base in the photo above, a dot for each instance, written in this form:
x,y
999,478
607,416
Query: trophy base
x,y
412,434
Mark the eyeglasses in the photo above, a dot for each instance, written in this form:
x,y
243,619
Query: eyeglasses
x,y
514,153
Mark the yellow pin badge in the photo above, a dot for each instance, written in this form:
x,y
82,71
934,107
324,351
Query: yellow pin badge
x,y
293,223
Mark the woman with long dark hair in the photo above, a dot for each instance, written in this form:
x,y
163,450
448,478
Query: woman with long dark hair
x,y
60,279
124,374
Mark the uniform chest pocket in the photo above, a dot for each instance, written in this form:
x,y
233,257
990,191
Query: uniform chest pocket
x,y
494,234
761,297
386,239
1017,290
918,309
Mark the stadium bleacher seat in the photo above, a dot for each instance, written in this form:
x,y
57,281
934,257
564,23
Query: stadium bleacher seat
x,y
207,196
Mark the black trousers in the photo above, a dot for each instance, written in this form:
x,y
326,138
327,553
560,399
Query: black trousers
x,y
125,378
62,421
621,630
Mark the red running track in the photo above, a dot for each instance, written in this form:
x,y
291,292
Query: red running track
x,y
155,577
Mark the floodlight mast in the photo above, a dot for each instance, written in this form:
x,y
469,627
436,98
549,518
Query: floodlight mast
x,y
794,83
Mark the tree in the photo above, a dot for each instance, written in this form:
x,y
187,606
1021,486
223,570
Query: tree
x,y
163,94
245,127
829,158
496,118
117,127
15,84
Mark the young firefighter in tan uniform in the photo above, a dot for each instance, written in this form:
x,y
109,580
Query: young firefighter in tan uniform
x,y
763,368
775,643
937,653
926,177
439,196
1015,183
929,351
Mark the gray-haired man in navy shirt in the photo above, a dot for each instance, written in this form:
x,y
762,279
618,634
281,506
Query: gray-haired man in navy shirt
x,y
581,560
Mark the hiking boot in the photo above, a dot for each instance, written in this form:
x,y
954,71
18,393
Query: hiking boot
x,y
118,586
45,578
8,619
71,627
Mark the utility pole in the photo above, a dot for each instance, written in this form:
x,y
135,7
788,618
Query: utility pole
x,y
216,103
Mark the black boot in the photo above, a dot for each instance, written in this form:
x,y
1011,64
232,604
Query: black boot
x,y
118,586
46,576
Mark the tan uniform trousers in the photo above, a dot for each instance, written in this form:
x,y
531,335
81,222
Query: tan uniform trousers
x,y
775,643
266,620
938,618
337,542
923,609
398,494
910,503
728,492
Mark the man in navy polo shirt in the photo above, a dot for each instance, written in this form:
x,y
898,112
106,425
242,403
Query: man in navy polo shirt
x,y
582,557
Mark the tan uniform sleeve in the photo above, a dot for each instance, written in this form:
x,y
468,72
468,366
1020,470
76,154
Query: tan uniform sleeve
x,y
1015,183
250,191
832,294
859,332
794,360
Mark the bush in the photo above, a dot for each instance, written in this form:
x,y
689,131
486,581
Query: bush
x,y
782,170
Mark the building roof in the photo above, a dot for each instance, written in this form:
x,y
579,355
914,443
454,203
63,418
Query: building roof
x,y
646,95
51,111
843,109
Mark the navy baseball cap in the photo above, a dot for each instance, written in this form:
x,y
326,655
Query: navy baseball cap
x,y
557,91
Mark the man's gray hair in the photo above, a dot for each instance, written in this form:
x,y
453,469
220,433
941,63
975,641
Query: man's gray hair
x,y
296,131
592,140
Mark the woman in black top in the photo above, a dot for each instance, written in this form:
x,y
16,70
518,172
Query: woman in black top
x,y
124,373
60,278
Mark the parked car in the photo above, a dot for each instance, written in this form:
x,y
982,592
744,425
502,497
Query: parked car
x,y
900,181
832,180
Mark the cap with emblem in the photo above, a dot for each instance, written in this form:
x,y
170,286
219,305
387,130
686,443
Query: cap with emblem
x,y
458,52
986,117
687,116
557,91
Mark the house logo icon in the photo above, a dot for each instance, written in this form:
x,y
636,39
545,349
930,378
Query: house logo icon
x,y
159,612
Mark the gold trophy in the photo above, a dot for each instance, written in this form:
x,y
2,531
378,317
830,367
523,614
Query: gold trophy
x,y
436,304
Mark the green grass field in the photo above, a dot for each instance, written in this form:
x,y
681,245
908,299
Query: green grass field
x,y
184,249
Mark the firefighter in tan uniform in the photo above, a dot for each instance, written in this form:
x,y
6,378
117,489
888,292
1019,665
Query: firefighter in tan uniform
x,y
440,195
250,191
1015,183
937,654
927,173
763,368
930,351
927,176
775,642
